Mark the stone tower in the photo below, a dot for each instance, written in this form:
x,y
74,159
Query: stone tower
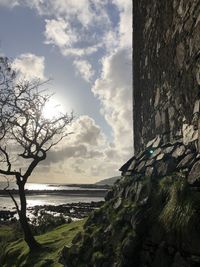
x,y
166,71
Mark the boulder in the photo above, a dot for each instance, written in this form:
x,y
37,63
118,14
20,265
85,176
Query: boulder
x,y
109,195
168,150
143,192
128,246
149,171
150,162
179,151
156,152
126,165
194,175
141,166
160,156
150,143
132,165
165,167
186,161
117,203
157,142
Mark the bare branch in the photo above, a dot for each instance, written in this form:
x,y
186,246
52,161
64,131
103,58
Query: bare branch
x,y
10,194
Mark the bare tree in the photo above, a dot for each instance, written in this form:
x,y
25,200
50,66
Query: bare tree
x,y
24,128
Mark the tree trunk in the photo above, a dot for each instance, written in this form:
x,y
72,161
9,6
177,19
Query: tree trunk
x,y
28,236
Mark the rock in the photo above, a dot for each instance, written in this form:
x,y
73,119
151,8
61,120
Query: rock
x,y
157,142
195,260
127,173
132,165
140,155
194,175
160,156
117,203
165,167
143,192
108,229
141,166
179,151
149,171
162,258
126,165
109,195
168,150
150,143
179,261
149,162
156,152
128,191
186,161
180,54
128,246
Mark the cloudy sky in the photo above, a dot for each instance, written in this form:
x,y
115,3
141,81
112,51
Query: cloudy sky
x,y
85,47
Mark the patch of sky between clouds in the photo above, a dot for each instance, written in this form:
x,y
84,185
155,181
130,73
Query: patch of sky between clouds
x,y
28,37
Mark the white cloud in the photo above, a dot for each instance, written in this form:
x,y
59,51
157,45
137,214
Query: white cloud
x,y
125,24
80,52
86,131
83,11
60,33
114,89
69,39
75,27
9,3
84,68
29,66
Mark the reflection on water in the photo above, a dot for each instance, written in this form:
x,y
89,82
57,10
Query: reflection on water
x,y
39,187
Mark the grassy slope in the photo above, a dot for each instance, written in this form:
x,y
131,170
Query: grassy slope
x,y
17,253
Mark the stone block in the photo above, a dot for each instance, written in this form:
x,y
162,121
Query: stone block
x,y
194,175
186,161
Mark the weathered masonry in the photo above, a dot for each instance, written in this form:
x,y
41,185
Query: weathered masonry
x,y
166,57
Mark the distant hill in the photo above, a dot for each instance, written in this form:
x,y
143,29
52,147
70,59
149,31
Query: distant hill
x,y
108,181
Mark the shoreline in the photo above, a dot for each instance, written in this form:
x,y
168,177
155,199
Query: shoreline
x,y
73,211
76,192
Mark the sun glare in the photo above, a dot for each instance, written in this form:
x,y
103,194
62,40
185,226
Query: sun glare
x,y
52,109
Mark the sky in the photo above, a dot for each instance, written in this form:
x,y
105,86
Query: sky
x,y
85,48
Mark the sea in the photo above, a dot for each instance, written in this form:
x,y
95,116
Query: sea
x,y
6,202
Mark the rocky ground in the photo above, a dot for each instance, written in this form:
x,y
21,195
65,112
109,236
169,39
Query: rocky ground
x,y
150,217
72,210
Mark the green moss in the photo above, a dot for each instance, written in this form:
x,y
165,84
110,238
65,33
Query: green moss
x,y
181,207
17,253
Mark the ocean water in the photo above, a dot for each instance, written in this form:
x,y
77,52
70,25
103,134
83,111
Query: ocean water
x,y
38,186
6,202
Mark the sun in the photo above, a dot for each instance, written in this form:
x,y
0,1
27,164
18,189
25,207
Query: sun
x,y
52,109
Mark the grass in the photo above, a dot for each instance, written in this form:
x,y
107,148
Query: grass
x,y
6,232
181,208
17,253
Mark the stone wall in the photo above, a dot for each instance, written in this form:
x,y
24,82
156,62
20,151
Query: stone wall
x,y
166,57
